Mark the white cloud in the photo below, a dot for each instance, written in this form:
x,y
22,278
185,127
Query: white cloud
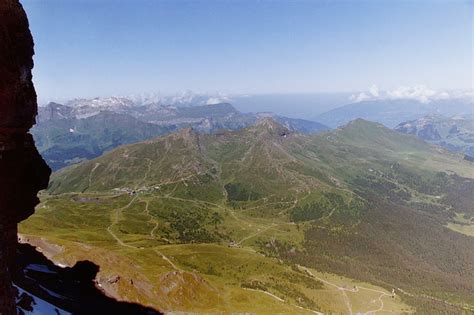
x,y
215,100
374,90
360,97
418,93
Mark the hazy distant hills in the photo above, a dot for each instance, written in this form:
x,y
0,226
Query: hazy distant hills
x,y
362,201
393,112
65,141
83,129
454,133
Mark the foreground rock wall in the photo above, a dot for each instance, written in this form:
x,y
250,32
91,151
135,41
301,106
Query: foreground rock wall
x,y
22,170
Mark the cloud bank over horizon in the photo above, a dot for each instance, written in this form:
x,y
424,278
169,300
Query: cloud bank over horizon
x,y
420,93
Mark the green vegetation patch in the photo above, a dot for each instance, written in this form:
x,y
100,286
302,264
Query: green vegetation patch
x,y
328,204
239,192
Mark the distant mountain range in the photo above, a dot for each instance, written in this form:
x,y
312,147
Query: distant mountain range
x,y
65,141
69,133
393,112
84,129
455,133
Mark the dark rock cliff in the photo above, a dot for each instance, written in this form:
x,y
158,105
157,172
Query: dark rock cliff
x,y
22,170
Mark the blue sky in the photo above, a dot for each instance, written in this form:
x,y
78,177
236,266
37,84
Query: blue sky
x,y
87,48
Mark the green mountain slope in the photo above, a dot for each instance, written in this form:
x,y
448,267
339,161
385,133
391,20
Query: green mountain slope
x,y
361,201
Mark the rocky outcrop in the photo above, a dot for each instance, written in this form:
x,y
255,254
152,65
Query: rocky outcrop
x,y
22,170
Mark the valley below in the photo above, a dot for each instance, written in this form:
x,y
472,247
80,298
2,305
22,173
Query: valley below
x,y
231,276
263,220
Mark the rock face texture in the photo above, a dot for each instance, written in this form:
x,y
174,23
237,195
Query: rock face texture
x,y
22,170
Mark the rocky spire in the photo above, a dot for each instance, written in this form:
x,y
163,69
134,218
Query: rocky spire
x,y
22,170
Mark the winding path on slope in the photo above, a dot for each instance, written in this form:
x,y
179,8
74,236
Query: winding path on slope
x,y
91,173
354,290
115,220
146,174
255,234
279,299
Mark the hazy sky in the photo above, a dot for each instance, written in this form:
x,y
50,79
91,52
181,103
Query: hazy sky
x,y
104,47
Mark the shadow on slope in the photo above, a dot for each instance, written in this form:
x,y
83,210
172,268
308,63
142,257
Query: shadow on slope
x,y
72,289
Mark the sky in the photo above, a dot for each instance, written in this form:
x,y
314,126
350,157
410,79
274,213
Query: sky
x,y
88,48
